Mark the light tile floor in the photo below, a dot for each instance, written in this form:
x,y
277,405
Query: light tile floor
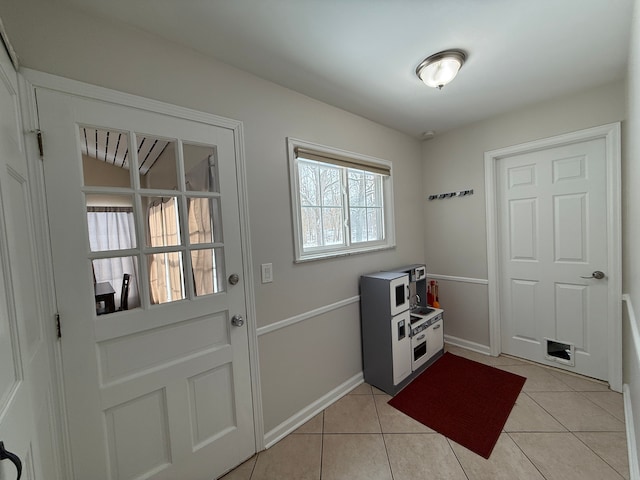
x,y
562,427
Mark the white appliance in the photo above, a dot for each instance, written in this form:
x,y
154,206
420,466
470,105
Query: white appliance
x,y
401,347
427,337
399,294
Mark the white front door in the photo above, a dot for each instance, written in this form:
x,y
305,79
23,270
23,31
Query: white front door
x,y
552,210
145,231
27,398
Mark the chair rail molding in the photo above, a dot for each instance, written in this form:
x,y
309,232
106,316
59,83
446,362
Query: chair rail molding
x,y
272,327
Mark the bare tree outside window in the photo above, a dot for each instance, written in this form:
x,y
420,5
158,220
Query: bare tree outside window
x,y
321,202
323,209
365,204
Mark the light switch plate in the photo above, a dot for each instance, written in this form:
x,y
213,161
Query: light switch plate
x,y
267,272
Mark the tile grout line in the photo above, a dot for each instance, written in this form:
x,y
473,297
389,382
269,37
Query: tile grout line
x,y
453,450
545,410
596,453
583,396
253,468
600,406
568,430
564,433
527,456
384,440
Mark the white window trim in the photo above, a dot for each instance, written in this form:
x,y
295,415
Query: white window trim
x,y
388,210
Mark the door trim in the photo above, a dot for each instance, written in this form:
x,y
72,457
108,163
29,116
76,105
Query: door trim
x,y
60,435
42,80
611,134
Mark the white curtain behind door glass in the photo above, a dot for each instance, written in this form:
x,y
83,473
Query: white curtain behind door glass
x,y
204,225
113,228
203,261
165,269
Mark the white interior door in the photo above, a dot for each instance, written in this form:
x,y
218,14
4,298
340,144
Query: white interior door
x,y
156,374
27,399
552,206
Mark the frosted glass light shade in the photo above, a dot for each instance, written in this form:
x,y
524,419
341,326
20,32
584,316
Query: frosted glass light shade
x,y
439,69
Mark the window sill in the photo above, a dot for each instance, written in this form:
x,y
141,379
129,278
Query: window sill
x,y
312,257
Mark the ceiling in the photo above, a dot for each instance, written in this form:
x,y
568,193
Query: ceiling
x,y
361,55
112,147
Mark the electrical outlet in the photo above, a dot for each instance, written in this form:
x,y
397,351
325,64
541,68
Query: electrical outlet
x,y
267,272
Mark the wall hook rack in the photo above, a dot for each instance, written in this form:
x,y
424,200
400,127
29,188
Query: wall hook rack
x,y
460,193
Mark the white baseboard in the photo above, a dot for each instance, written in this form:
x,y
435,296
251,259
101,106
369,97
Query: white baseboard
x,y
459,342
307,413
632,376
632,447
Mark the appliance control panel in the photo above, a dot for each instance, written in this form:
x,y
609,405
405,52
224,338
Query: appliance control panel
x,y
428,321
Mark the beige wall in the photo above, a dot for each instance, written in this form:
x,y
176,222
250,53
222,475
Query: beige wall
x,y
326,352
97,172
455,239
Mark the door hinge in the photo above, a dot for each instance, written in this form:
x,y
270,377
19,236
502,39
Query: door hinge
x,y
38,133
58,329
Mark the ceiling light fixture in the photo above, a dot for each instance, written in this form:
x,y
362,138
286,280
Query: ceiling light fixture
x,y
439,69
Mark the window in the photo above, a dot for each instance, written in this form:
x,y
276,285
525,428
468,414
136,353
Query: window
x,y
154,219
343,201
113,228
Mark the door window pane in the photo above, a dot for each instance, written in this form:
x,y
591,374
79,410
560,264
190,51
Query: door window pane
x,y
110,222
208,271
157,162
115,282
205,220
105,157
171,207
200,168
166,277
163,222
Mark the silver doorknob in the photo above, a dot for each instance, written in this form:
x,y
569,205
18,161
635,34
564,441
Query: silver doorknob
x,y
237,321
234,278
598,275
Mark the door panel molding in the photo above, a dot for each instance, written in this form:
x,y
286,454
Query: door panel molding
x,y
611,135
